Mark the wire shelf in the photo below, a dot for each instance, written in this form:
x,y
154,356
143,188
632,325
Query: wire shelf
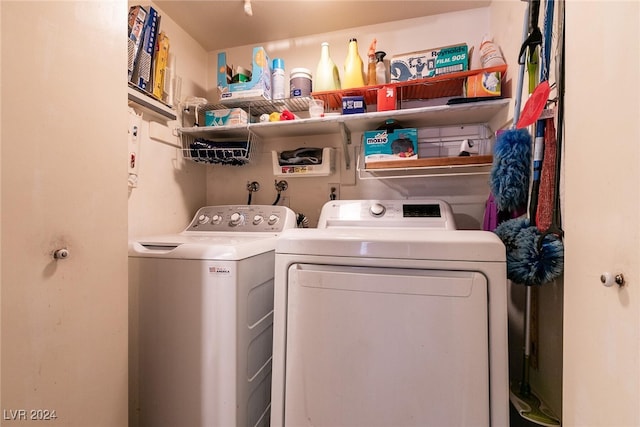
x,y
257,108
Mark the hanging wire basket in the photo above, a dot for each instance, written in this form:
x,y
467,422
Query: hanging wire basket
x,y
225,152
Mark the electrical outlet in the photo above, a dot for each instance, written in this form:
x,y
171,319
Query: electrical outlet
x,y
333,191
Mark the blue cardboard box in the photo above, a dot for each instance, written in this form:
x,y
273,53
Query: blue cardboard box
x,y
353,105
380,146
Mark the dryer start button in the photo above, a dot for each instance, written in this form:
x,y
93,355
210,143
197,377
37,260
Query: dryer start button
x,y
377,209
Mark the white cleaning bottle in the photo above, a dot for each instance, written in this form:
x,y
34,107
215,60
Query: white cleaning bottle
x,y
277,79
381,68
327,75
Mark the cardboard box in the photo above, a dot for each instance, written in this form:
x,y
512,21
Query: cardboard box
x,y
380,146
483,84
429,63
226,117
137,17
353,105
386,98
260,82
229,98
142,70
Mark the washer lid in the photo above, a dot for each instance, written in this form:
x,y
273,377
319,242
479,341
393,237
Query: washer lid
x,y
394,243
203,245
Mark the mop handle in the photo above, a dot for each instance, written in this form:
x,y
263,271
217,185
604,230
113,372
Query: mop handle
x,y
547,40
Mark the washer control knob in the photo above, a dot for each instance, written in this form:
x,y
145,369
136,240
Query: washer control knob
x,y
377,209
272,219
203,219
257,220
236,219
216,219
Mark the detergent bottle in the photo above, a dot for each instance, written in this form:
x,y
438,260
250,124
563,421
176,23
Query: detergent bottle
x,y
353,67
327,75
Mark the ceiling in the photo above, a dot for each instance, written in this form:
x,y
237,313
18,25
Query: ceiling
x,y
222,24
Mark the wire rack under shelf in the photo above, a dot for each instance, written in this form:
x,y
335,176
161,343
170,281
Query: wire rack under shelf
x,y
228,152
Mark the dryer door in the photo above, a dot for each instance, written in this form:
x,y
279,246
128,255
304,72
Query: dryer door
x,y
386,347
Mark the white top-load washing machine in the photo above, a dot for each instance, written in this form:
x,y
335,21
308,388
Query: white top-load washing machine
x,y
385,315
202,319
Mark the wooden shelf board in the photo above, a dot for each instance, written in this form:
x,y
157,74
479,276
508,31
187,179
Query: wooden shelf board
x,y
431,161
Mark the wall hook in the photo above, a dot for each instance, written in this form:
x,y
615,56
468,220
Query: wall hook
x,y
61,253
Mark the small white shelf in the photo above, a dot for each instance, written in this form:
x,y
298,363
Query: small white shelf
x,y
150,104
326,168
423,171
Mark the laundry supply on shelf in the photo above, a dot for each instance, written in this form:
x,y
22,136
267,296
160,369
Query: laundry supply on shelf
x,y
381,68
277,79
429,63
327,74
300,82
353,67
372,77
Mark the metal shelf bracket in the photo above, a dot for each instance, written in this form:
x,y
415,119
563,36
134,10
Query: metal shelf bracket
x,y
346,141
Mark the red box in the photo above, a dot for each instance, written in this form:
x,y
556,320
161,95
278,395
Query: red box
x,y
387,98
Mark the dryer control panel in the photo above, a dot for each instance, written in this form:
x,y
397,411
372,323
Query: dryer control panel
x,y
422,213
243,218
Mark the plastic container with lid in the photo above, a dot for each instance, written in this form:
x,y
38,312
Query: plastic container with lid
x,y
300,82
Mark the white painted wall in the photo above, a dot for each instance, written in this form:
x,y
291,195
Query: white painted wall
x,y
64,323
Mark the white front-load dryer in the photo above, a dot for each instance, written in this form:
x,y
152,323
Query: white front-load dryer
x,y
385,315
202,319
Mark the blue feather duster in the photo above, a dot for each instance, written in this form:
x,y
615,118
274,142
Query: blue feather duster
x,y
509,177
537,264
529,262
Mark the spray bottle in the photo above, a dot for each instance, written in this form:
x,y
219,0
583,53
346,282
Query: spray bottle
x,y
381,68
